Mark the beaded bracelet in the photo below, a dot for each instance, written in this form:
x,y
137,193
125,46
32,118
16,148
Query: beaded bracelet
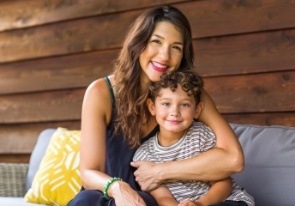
x,y
108,184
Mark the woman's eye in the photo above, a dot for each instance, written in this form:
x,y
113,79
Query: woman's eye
x,y
156,41
177,48
165,104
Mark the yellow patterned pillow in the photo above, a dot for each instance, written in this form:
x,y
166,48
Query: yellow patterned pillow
x,y
58,180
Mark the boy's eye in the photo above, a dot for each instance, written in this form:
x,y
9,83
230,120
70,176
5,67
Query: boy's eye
x,y
165,103
185,105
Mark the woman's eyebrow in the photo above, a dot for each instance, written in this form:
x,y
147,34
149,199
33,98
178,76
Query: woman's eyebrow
x,y
159,36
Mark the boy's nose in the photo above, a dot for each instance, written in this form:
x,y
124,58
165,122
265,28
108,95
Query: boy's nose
x,y
174,111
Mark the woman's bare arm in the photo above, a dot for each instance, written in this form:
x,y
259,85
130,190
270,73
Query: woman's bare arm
x,y
216,164
96,114
93,130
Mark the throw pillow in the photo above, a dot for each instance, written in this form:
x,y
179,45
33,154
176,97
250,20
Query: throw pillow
x,y
58,180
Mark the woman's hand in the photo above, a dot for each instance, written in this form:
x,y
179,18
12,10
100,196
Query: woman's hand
x,y
124,195
147,175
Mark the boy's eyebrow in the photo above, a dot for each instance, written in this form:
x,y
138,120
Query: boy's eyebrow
x,y
159,36
167,98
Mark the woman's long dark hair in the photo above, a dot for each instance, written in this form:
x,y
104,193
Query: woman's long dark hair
x,y
132,112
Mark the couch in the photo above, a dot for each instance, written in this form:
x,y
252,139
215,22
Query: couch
x,y
269,173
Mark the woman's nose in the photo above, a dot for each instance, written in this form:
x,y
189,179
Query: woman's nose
x,y
164,53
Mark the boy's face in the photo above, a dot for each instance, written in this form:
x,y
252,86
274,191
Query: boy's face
x,y
174,111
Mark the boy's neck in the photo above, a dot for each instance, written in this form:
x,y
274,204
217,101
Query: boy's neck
x,y
166,139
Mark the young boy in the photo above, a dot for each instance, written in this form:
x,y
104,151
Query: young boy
x,y
175,102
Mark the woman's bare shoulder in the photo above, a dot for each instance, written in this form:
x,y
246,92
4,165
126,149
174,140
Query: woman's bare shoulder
x,y
98,88
98,98
99,84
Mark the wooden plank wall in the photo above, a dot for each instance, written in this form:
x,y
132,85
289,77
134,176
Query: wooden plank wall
x,y
50,50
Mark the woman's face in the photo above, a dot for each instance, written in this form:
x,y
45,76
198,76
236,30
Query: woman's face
x,y
163,52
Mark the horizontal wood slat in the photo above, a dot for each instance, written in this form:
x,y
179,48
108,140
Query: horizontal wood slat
x,y
205,16
55,73
223,17
77,36
21,138
62,105
19,14
276,118
15,158
251,53
271,92
101,32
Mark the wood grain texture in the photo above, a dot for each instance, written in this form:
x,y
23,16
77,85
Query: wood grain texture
x,y
208,18
65,72
21,138
271,92
15,158
268,119
211,18
19,14
82,35
61,105
249,53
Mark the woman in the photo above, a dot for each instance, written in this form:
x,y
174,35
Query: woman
x,y
115,119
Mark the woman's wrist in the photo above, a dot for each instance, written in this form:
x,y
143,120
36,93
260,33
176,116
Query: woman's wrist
x,y
202,202
110,186
162,171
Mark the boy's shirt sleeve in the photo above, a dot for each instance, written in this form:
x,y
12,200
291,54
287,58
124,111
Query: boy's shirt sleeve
x,y
207,139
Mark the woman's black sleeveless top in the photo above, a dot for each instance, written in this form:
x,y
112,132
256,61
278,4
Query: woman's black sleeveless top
x,y
119,154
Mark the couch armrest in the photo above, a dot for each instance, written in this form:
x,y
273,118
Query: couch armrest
x,y
13,177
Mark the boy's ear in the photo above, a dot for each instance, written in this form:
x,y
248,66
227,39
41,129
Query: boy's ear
x,y
199,109
151,106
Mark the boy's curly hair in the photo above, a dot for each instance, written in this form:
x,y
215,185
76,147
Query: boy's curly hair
x,y
189,80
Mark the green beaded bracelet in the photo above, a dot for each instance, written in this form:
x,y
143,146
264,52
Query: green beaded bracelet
x,y
108,184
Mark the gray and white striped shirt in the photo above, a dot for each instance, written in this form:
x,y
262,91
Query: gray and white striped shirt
x,y
198,139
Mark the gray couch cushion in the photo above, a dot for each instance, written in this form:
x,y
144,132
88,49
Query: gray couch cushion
x,y
269,173
38,153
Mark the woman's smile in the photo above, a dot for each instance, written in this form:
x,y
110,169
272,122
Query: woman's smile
x,y
163,52
159,67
